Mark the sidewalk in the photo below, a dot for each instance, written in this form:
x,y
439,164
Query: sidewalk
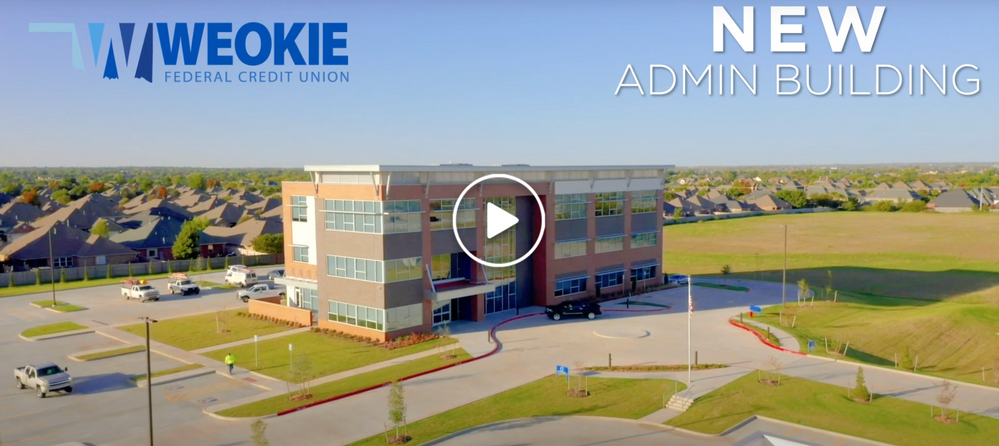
x,y
786,339
326,379
202,351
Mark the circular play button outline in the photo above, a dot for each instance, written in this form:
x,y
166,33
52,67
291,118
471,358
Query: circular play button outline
x,y
457,207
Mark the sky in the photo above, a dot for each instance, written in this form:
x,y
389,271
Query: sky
x,y
497,82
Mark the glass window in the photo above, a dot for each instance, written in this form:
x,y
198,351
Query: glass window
x,y
368,216
573,248
399,270
299,208
570,206
300,254
644,272
361,316
351,268
609,203
610,244
570,286
607,280
440,266
644,240
442,212
643,201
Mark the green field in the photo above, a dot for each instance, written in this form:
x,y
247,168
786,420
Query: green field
x,y
200,331
944,283
112,353
327,354
59,306
59,327
609,397
344,386
827,407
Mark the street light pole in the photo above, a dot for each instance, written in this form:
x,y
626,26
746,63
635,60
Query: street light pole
x,y
149,377
52,267
783,287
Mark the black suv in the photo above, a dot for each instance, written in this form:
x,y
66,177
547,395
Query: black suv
x,y
573,308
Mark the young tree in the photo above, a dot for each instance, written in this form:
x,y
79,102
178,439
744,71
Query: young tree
x,y
269,243
860,392
188,243
803,287
796,198
100,228
726,269
772,371
61,196
302,373
947,393
62,275
196,181
86,273
397,410
110,273
221,321
130,269
38,277
258,433
678,213
907,360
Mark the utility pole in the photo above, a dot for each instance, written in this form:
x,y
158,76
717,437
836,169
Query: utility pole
x,y
52,266
149,376
783,287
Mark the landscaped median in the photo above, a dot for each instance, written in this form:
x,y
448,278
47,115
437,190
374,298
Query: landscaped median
x,y
49,329
765,335
347,386
207,330
105,353
59,306
608,397
825,406
326,354
721,286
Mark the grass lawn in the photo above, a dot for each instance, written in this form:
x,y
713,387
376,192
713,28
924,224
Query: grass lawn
x,y
216,286
721,286
60,306
328,354
199,331
110,353
621,398
943,284
344,386
179,369
953,340
51,329
915,255
825,406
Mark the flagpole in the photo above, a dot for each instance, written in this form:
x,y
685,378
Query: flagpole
x,y
690,309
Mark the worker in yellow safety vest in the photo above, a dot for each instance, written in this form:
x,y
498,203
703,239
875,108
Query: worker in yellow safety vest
x,y
230,360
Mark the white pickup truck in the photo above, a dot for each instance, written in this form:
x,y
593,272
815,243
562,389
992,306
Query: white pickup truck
x,y
44,377
180,283
139,289
261,290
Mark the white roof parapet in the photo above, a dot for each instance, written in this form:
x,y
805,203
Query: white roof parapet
x,y
471,168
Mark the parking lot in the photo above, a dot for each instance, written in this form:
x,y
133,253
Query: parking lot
x,y
105,404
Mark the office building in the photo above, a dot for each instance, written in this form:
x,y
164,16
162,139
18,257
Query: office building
x,y
371,249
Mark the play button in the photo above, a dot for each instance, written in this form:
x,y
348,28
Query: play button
x,y
498,220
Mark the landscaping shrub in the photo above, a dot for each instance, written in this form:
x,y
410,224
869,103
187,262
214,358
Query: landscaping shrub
x,y
129,270
62,275
38,277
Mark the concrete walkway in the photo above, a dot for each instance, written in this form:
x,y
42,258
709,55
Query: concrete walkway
x,y
326,379
202,351
787,340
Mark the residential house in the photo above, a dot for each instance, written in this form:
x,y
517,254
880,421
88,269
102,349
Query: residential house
x,y
161,207
901,185
69,247
769,202
153,237
239,238
204,206
899,196
6,198
882,186
15,212
226,215
957,200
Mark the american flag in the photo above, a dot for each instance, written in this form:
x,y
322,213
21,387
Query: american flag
x,y
690,299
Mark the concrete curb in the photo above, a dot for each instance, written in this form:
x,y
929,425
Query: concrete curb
x,y
661,427
57,335
804,427
764,341
75,356
176,376
220,417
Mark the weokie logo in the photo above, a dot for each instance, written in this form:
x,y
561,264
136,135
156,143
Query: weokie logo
x,y
295,44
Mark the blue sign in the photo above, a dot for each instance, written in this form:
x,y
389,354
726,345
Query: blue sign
x,y
560,369
755,308
811,345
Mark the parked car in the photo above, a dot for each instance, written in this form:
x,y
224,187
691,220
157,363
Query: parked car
x,y
261,290
180,283
44,377
243,277
276,274
139,289
677,279
573,308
